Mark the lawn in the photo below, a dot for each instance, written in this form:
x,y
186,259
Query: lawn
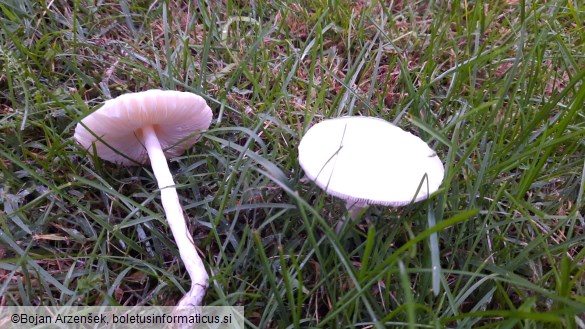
x,y
496,88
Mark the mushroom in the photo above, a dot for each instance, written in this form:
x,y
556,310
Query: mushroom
x,y
154,124
366,161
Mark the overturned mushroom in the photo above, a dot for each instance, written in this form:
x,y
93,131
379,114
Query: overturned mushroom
x,y
367,161
153,125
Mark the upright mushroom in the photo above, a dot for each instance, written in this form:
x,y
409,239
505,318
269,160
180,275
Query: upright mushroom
x,y
365,161
153,124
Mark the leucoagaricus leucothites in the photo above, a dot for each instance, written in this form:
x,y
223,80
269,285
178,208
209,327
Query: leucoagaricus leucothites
x,y
153,125
369,161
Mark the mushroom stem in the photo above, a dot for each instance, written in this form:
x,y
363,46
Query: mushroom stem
x,y
176,220
354,209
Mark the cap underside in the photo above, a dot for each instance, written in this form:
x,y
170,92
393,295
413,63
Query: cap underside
x,y
177,118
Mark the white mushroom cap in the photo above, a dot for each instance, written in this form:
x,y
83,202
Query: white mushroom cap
x,y
176,117
365,160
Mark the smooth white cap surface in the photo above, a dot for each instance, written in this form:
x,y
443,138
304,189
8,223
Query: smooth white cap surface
x,y
177,118
367,160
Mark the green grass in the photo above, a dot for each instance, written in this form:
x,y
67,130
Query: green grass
x,y
496,88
